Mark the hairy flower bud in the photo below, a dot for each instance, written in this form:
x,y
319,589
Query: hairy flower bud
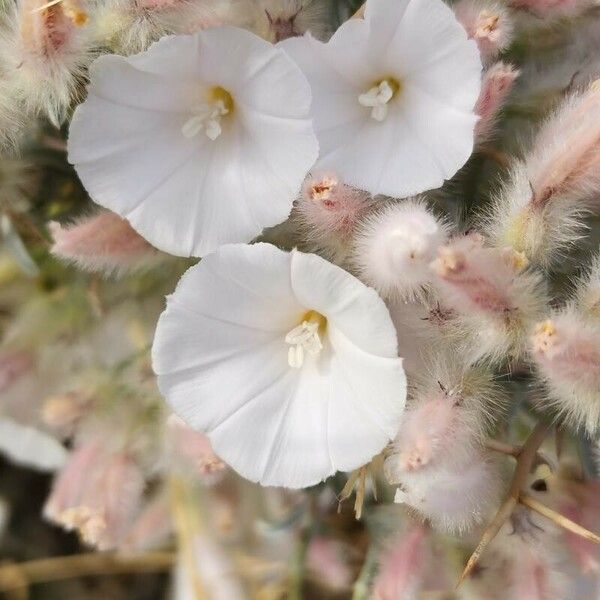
x,y
488,23
439,446
497,83
496,299
566,350
103,242
47,49
541,207
96,494
328,211
394,246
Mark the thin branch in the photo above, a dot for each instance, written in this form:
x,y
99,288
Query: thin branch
x,y
489,534
557,518
16,575
515,450
525,461
503,448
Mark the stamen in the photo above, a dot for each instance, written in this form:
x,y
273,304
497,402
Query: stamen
x,y
378,97
207,115
305,339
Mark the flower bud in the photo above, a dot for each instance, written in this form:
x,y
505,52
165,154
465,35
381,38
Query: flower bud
x,y
497,84
488,23
328,211
393,249
47,49
103,242
566,351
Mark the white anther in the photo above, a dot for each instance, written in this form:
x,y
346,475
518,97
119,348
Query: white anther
x,y
207,118
377,99
303,339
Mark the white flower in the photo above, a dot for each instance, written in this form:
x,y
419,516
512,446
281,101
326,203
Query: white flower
x,y
393,96
286,361
199,141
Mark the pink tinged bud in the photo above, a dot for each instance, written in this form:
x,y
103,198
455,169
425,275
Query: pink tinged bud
x,y
429,432
565,161
193,447
474,278
50,55
324,560
496,302
97,494
453,499
488,23
403,567
103,242
566,350
69,484
497,84
329,210
393,249
13,365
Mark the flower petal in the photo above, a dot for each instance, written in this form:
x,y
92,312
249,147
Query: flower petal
x,y
366,402
410,144
221,359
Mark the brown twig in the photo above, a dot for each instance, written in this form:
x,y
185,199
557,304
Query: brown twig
x,y
525,460
15,575
515,451
503,448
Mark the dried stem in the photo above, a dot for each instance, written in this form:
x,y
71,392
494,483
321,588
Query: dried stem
x,y
357,478
17,575
526,458
557,518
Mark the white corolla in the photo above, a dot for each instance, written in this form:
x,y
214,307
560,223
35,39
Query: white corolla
x,y
393,96
200,140
287,362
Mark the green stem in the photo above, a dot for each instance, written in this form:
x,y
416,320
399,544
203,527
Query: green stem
x,y
363,584
298,565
